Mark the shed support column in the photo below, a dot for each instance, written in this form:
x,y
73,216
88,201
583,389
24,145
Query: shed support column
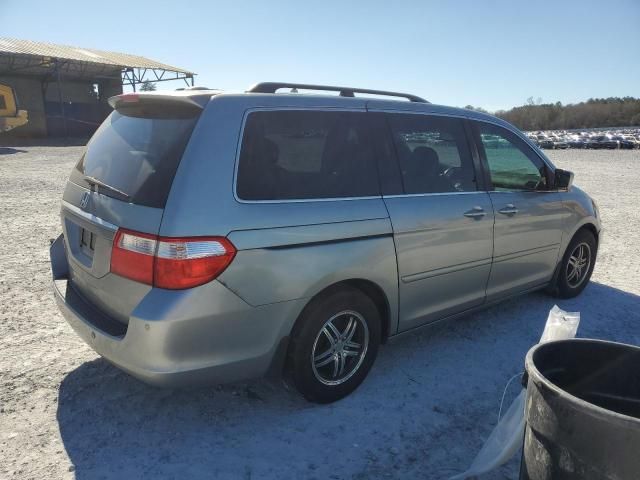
x,y
61,101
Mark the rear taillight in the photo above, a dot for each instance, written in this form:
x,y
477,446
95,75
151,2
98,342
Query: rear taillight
x,y
172,263
188,262
133,255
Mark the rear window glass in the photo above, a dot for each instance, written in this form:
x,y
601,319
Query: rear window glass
x,y
136,156
306,155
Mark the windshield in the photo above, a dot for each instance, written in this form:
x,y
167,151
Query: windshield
x,y
135,157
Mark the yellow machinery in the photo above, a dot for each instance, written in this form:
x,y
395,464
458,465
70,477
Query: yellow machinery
x,y
10,116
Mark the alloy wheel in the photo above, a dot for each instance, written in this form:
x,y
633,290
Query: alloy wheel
x,y
340,347
578,265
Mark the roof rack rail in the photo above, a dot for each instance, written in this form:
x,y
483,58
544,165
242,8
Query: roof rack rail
x,y
272,87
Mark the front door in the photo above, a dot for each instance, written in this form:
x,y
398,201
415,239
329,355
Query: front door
x,y
443,221
528,213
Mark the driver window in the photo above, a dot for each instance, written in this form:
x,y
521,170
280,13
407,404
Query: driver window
x,y
512,164
433,154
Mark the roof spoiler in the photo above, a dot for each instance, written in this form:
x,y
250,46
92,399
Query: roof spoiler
x,y
150,99
273,87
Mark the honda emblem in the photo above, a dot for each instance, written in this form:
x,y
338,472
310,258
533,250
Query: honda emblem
x,y
84,201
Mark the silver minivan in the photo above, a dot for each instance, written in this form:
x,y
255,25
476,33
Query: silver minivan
x,y
215,237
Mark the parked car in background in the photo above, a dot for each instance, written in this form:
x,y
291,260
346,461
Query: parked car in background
x,y
576,142
545,142
625,142
560,143
211,237
604,142
624,138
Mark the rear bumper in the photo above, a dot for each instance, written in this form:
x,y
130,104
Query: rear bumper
x,y
204,335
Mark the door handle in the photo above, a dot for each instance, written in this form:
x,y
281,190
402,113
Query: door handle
x,y
510,209
475,212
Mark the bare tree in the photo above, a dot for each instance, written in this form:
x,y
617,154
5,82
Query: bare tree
x,y
595,112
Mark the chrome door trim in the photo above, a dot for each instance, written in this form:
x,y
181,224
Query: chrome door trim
x,y
439,194
524,253
308,200
445,270
88,216
527,191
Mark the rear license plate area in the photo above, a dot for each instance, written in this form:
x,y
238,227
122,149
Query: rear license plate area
x,y
87,242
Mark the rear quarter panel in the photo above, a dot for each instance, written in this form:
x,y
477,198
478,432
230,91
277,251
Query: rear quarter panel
x,y
266,275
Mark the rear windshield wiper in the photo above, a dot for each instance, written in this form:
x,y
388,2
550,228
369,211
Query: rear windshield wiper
x,y
94,182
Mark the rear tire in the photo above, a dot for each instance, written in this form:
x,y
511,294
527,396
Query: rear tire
x,y
577,265
334,345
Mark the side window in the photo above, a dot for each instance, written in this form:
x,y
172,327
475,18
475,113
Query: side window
x,y
512,163
296,154
433,154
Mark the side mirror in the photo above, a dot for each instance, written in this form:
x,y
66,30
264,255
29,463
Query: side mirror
x,y
563,179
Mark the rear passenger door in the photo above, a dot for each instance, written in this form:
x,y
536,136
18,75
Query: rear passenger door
x,y
442,219
528,212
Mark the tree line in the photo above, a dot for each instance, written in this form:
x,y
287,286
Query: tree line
x,y
594,113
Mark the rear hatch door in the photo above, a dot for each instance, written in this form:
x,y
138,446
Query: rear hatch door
x,y
123,181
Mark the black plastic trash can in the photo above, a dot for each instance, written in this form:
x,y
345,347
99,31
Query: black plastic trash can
x,y
582,411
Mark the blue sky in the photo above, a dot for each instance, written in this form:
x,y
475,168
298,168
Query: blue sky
x,y
493,54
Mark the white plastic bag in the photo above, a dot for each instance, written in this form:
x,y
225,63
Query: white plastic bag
x,y
506,437
560,325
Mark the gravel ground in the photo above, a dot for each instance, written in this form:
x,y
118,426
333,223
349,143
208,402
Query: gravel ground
x,y
429,402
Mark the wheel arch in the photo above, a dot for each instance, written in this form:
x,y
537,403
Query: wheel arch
x,y
379,297
590,227
586,226
366,287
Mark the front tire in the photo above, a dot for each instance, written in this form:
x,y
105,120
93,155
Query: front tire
x,y
577,265
334,345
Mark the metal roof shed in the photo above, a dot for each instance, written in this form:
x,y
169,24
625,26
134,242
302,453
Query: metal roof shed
x,y
25,63
40,57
